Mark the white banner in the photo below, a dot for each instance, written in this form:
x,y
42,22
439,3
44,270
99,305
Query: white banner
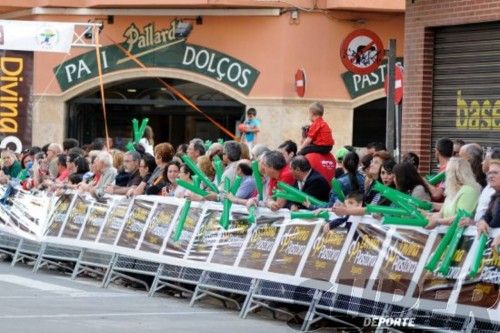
x,y
36,36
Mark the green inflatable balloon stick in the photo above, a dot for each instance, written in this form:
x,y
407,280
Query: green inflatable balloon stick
x,y
182,219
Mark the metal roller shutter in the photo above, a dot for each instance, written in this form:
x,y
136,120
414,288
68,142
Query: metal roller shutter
x,y
466,85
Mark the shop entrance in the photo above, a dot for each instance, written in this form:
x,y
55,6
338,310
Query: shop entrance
x,y
369,123
171,119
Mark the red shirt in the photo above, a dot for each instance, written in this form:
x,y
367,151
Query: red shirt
x,y
320,133
285,176
325,164
63,175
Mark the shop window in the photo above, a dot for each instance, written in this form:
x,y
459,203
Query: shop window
x,y
369,123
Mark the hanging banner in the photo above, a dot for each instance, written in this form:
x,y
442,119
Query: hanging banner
x,y
36,36
16,84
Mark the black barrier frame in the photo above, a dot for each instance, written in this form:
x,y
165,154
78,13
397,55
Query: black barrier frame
x,y
27,249
172,276
123,266
9,243
211,284
93,261
57,255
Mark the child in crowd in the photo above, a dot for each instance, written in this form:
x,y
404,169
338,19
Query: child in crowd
x,y
353,200
319,136
250,128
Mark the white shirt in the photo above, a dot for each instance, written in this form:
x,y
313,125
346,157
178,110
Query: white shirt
x,y
483,202
302,182
147,147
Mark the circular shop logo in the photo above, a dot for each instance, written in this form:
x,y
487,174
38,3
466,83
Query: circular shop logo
x,y
47,37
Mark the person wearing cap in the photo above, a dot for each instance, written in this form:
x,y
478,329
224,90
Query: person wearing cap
x,y
339,156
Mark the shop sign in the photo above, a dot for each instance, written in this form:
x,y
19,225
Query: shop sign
x,y
360,84
16,82
158,49
477,115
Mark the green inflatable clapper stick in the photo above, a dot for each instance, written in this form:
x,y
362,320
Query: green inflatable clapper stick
x,y
191,187
450,251
337,188
478,257
219,168
251,215
309,215
226,206
258,179
199,173
436,179
405,220
182,219
385,210
291,189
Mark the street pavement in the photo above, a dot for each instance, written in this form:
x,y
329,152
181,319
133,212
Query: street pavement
x,y
50,301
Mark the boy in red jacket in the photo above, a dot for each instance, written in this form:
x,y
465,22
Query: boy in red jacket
x,y
319,137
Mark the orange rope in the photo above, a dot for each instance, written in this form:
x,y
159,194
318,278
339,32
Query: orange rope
x,y
175,91
101,84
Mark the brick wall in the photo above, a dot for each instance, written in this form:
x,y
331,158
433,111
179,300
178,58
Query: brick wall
x,y
421,17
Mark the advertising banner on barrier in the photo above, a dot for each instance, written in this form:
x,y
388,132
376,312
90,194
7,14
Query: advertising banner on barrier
x,y
325,253
231,241
180,248
95,220
157,231
400,261
363,257
362,254
483,291
114,221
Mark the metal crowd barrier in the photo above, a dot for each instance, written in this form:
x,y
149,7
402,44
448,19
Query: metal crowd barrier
x,y
126,267
258,293
27,249
9,243
64,257
175,277
222,286
266,293
93,261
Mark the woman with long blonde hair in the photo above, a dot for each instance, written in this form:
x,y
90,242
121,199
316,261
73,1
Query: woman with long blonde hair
x,y
461,190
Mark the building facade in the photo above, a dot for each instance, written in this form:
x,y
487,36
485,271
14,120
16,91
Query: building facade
x,y
239,54
452,75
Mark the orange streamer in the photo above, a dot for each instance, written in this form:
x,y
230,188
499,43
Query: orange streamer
x,y
175,91
101,83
